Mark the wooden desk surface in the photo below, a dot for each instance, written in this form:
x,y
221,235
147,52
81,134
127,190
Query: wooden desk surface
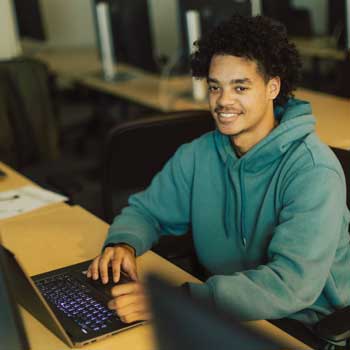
x,y
14,180
69,235
332,112
332,117
322,47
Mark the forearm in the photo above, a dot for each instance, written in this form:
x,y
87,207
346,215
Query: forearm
x,y
256,294
163,208
133,229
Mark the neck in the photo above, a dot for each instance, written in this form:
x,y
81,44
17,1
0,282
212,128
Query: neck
x,y
246,140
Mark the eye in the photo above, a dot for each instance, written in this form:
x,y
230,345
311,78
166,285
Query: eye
x,y
213,88
240,88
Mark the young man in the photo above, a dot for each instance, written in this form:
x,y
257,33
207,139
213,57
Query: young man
x,y
265,198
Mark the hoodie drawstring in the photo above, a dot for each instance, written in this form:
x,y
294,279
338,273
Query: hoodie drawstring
x,y
229,218
243,200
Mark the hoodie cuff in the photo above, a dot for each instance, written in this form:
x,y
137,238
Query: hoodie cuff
x,y
126,239
202,292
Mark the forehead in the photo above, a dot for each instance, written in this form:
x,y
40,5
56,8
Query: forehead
x,y
228,67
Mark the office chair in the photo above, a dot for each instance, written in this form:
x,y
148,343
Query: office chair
x,y
27,107
342,77
135,151
30,137
336,326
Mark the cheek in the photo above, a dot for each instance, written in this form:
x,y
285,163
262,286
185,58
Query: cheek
x,y
254,102
212,102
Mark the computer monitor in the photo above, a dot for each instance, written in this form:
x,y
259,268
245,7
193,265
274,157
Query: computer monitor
x,y
187,324
152,34
12,333
29,19
131,33
211,13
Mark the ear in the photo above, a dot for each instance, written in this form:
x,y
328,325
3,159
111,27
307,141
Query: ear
x,y
274,87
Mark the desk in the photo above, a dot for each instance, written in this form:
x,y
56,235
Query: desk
x,y
14,180
323,47
80,65
332,117
69,235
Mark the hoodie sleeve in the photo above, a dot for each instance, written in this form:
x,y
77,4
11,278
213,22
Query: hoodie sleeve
x,y
300,253
163,208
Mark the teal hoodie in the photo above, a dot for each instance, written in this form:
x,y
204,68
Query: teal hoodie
x,y
271,226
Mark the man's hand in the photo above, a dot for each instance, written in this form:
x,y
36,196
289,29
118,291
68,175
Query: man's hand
x,y
130,302
120,257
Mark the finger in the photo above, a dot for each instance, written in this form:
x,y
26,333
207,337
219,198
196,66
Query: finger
x,y
127,300
137,316
116,262
139,305
88,271
126,288
103,264
131,269
93,268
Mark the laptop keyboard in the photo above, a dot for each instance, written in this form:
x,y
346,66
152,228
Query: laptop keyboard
x,y
74,299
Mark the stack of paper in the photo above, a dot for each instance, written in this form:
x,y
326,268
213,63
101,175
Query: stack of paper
x,y
26,198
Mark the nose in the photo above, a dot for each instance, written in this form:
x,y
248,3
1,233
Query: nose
x,y
225,98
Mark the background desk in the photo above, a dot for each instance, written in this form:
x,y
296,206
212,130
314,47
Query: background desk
x,y
68,235
14,180
323,47
165,95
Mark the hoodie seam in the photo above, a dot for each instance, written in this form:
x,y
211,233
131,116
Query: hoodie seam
x,y
310,153
301,171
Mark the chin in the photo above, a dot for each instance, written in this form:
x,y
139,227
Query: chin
x,y
228,131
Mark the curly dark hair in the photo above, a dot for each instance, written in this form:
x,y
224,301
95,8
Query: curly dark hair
x,y
260,39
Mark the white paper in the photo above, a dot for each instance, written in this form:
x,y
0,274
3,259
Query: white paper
x,y
26,198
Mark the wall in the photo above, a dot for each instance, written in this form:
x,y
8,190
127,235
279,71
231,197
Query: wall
x,y
9,45
165,27
319,13
256,7
68,22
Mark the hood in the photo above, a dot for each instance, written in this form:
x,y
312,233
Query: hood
x,y
295,122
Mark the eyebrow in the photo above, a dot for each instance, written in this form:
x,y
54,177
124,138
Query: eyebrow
x,y
233,81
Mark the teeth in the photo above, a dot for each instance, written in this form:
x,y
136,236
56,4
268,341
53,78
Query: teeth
x,y
229,115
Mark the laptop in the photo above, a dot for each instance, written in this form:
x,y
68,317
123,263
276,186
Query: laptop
x,y
185,323
64,300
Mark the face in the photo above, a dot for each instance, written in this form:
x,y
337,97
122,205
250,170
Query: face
x,y
241,101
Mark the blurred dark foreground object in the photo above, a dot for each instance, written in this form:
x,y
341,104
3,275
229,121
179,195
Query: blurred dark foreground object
x,y
188,324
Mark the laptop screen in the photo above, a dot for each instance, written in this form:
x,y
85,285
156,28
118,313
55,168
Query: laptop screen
x,y
12,334
187,324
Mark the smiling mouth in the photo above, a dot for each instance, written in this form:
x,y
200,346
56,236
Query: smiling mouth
x,y
228,116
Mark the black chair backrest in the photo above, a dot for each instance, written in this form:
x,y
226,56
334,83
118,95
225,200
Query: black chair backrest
x,y
135,151
344,159
27,107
